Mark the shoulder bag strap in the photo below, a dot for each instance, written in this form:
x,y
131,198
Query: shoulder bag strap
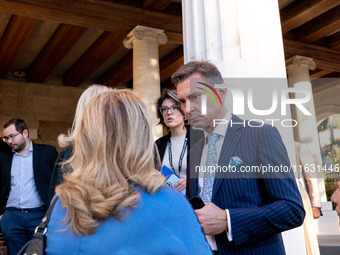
x,y
42,226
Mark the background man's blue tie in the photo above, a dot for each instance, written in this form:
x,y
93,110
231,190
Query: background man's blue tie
x,y
208,181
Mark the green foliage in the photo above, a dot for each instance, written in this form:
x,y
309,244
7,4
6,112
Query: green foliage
x,y
336,121
334,154
329,186
325,123
328,152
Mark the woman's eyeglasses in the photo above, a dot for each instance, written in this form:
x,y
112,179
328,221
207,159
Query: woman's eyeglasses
x,y
174,109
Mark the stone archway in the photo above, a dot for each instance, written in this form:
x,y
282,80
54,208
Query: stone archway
x,y
326,102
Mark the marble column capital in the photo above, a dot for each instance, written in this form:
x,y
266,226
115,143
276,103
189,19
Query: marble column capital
x,y
140,32
301,62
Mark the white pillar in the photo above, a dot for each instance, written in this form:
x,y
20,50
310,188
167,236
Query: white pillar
x,y
306,131
146,80
243,39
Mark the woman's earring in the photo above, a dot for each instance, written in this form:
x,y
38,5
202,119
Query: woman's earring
x,y
185,120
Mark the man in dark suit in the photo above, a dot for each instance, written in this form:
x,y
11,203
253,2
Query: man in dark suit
x,y
243,214
25,173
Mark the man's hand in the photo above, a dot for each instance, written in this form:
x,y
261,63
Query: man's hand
x,y
181,184
1,216
316,212
212,219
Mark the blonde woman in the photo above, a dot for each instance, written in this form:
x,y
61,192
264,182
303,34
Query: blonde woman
x,y
113,201
67,141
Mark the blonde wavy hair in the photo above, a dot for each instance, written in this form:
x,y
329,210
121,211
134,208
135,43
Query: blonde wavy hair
x,y
113,151
86,96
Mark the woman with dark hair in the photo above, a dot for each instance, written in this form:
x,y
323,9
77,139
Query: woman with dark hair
x,y
173,147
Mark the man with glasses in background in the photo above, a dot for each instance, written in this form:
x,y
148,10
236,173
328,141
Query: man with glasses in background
x,y
25,173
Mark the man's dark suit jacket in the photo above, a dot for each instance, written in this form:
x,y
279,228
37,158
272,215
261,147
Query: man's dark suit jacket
x,y
260,208
4,146
44,157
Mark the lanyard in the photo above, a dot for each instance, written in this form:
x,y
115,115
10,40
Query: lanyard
x,y
181,156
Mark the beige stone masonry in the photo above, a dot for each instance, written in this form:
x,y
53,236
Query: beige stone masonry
x,y
47,109
146,80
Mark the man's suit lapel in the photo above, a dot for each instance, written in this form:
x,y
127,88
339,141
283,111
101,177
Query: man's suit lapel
x,y
35,158
231,140
195,159
7,167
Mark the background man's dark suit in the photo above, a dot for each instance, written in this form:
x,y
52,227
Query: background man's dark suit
x,y
259,208
3,146
44,157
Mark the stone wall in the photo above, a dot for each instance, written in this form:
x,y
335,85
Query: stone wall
x,y
47,109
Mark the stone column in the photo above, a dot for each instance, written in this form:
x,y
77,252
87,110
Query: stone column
x,y
298,73
235,35
146,81
243,39
306,131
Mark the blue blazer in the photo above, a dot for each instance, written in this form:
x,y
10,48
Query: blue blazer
x,y
260,208
162,223
44,157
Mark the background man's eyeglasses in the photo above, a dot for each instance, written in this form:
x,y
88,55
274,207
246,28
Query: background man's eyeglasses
x,y
174,109
10,137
